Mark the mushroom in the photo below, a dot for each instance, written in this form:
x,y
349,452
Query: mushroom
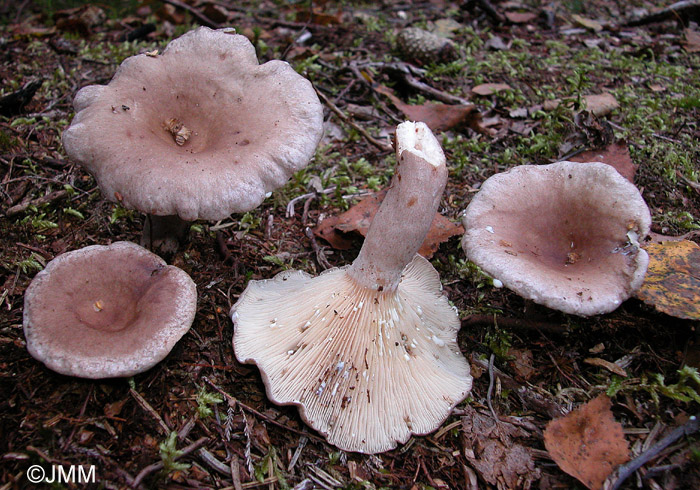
x,y
368,351
107,311
198,132
565,235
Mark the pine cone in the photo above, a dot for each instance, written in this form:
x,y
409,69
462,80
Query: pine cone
x,y
415,44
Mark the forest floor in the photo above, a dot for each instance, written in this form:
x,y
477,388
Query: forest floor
x,y
544,363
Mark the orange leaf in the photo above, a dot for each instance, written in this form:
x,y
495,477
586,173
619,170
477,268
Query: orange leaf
x,y
359,217
616,154
672,283
587,443
438,117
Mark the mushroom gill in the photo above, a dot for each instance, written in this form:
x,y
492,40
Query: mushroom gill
x,y
367,352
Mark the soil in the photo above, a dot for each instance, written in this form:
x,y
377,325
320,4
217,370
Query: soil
x,y
232,435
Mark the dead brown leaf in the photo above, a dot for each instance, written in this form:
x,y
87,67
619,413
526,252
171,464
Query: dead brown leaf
x,y
319,17
691,40
520,17
438,117
326,230
672,283
616,155
490,88
80,20
587,443
601,104
610,366
521,362
587,23
114,409
597,104
359,217
494,453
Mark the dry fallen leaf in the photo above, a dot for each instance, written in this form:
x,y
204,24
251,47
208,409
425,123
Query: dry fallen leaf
x,y
672,283
490,88
521,362
494,453
359,217
691,40
520,17
610,366
438,117
587,23
601,104
615,154
587,443
597,104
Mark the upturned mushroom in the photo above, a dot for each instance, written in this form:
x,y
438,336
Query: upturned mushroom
x,y
565,235
367,352
200,131
107,311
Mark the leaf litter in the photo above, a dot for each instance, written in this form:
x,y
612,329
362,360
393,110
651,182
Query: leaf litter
x,y
545,369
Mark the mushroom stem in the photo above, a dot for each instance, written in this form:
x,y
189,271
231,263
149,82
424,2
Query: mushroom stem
x,y
164,234
404,218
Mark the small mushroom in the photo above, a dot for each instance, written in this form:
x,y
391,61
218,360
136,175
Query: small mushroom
x,y
107,311
198,132
565,235
367,352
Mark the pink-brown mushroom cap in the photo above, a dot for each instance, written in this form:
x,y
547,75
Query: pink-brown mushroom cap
x,y
107,311
252,127
565,235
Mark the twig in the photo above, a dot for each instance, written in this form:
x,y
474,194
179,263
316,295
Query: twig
x,y
203,19
268,226
305,212
235,473
152,468
226,257
354,125
290,205
625,471
435,93
490,390
666,138
233,401
513,323
22,207
693,185
297,452
320,256
147,407
80,416
489,9
681,11
528,397
212,462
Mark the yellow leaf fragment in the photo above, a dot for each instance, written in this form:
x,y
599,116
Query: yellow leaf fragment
x,y
672,283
